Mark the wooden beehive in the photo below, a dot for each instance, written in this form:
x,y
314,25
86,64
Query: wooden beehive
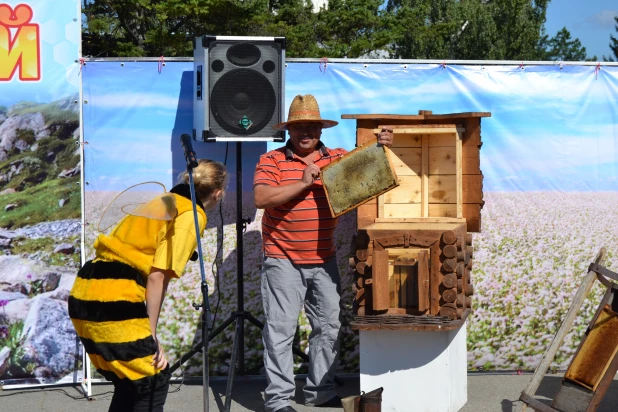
x,y
413,253
468,127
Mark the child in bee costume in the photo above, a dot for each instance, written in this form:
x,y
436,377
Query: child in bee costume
x,y
117,297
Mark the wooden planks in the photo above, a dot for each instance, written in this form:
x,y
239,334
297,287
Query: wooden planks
x,y
472,214
473,177
406,160
472,186
428,163
408,191
433,129
435,279
423,281
402,210
421,220
442,189
459,177
380,281
422,116
443,210
471,160
424,179
406,139
366,214
442,161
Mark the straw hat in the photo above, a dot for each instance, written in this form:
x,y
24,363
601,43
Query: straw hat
x,y
305,109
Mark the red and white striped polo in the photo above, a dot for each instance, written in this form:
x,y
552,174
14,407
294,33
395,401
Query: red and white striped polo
x,y
302,229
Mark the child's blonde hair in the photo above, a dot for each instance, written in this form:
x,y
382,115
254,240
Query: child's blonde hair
x,y
208,177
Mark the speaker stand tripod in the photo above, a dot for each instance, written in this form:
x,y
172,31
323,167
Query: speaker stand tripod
x,y
238,348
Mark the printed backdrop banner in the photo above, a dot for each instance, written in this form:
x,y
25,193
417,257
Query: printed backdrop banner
x,y
550,165
40,191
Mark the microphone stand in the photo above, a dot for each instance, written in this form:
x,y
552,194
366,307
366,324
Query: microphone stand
x,y
190,157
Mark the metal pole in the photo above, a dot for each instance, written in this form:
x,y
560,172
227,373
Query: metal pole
x,y
82,188
240,290
205,304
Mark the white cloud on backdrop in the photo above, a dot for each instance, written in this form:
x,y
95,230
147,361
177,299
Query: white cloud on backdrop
x,y
136,100
546,123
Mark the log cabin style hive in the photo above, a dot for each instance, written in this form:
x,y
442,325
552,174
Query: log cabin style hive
x,y
413,252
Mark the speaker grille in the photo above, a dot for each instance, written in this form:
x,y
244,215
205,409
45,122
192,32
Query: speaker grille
x,y
243,54
243,102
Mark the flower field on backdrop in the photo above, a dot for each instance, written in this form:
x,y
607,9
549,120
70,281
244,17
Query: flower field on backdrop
x,y
529,260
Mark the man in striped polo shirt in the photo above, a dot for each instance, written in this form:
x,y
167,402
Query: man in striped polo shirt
x,y
300,265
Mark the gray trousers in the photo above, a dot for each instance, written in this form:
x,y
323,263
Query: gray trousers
x,y
285,288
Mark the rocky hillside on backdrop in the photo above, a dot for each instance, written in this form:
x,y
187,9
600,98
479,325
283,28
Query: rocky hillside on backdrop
x,y
40,234
38,140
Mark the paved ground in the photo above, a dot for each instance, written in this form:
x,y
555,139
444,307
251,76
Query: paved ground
x,y
487,392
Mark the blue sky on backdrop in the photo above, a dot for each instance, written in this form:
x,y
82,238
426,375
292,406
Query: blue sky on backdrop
x,y
60,39
591,22
550,129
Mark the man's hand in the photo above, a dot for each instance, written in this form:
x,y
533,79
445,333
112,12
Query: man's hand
x,y
310,173
386,136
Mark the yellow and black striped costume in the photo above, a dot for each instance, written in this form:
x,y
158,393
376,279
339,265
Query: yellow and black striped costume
x,y
107,301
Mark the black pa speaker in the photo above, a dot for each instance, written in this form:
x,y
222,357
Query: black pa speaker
x,y
238,88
